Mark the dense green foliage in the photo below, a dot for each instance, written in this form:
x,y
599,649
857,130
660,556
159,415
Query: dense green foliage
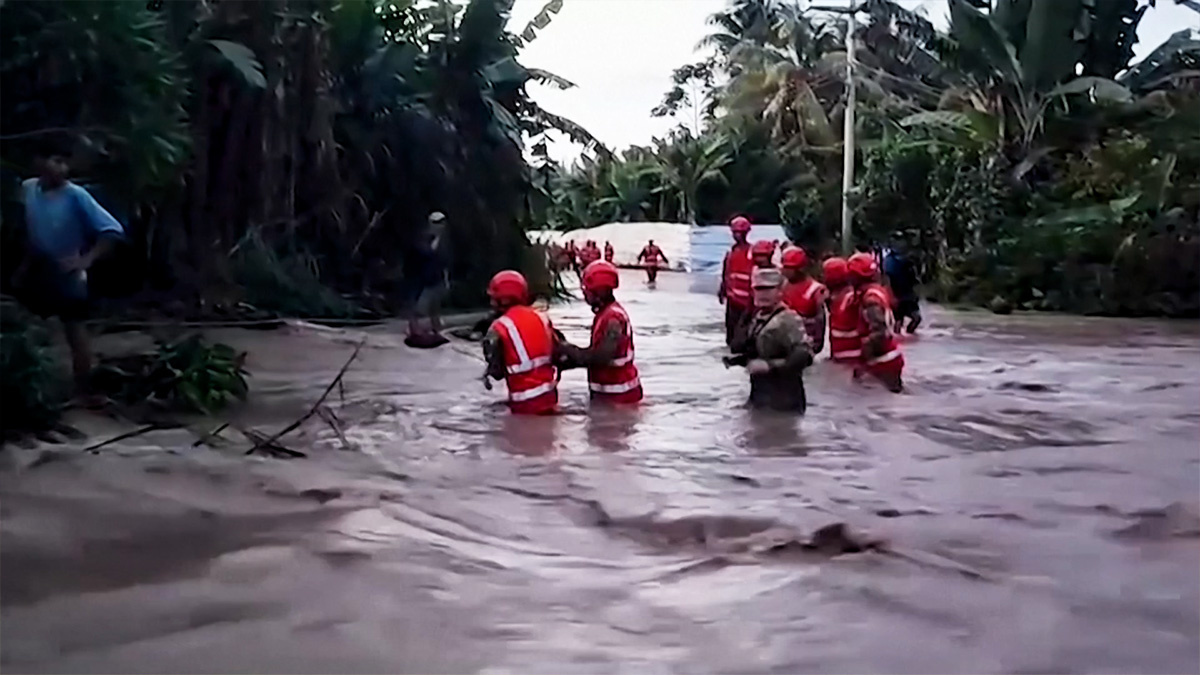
x,y
33,387
285,152
1020,155
188,374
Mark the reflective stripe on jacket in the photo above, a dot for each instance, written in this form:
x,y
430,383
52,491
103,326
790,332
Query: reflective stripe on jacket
x,y
528,343
738,267
845,340
876,294
618,380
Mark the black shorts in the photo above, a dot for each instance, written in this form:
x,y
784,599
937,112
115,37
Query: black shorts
x,y
44,292
907,307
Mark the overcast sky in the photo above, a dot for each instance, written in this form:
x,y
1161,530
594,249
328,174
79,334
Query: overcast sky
x,y
621,53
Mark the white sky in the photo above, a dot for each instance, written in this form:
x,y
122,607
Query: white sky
x,y
621,54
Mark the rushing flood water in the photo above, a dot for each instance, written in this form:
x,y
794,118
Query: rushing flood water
x,y
1036,487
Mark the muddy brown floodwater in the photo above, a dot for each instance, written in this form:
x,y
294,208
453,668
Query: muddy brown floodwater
x,y
1036,489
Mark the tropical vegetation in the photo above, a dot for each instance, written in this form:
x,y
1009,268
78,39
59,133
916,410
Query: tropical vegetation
x,y
283,153
1021,155
268,157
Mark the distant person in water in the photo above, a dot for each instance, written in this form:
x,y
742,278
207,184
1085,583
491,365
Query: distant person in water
x,y
650,257
427,284
609,251
67,231
589,254
901,276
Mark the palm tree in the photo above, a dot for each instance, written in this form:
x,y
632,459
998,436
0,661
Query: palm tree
x,y
689,163
746,21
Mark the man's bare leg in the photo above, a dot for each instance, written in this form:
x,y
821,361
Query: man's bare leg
x,y
81,362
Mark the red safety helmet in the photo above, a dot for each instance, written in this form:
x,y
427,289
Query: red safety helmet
x,y
739,225
509,285
835,271
600,275
763,247
794,257
862,266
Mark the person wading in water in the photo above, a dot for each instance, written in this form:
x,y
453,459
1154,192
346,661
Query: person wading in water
x,y
650,256
881,355
612,375
805,295
520,347
775,349
734,291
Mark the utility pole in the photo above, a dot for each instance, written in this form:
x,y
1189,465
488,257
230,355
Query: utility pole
x,y
848,152
848,139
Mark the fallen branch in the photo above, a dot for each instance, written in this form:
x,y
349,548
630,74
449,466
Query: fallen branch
x,y
128,434
334,423
271,447
316,406
206,438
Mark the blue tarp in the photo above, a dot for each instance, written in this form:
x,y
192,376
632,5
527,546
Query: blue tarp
x,y
707,247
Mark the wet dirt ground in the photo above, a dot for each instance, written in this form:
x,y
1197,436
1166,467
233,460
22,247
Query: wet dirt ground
x,y
1036,488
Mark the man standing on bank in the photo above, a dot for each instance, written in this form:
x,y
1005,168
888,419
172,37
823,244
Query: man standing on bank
x,y
68,231
427,281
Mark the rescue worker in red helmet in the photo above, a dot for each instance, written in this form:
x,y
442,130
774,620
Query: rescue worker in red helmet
x,y
762,254
592,251
775,350
649,256
881,355
589,254
805,295
612,375
734,291
845,342
520,347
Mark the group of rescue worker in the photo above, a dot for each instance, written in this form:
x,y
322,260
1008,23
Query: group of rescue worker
x,y
775,323
569,256
775,314
524,349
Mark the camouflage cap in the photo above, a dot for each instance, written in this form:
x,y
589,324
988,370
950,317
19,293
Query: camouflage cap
x,y
766,277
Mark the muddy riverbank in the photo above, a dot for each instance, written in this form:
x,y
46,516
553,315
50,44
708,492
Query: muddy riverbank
x,y
1037,489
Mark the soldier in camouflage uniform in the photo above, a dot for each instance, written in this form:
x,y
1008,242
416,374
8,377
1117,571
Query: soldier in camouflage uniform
x,y
774,348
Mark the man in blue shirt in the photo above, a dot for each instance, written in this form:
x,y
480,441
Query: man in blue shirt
x,y
67,231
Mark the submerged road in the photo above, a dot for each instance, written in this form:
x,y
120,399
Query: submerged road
x,y
1037,487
